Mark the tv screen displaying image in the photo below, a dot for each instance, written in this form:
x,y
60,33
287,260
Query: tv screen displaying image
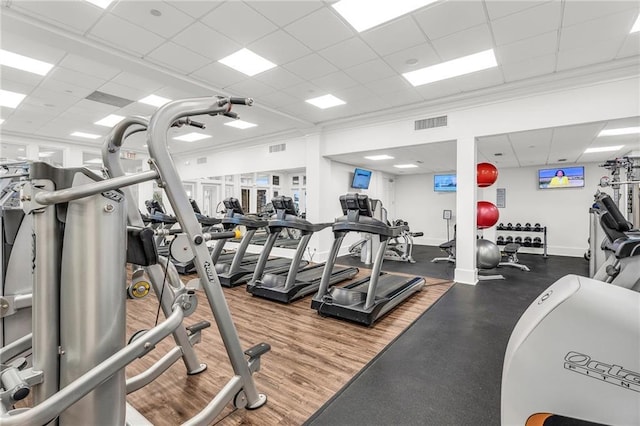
x,y
444,183
361,179
566,177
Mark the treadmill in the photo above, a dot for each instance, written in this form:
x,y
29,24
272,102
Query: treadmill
x,y
294,283
239,270
369,299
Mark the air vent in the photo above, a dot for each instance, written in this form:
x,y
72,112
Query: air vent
x,y
429,123
278,148
201,160
105,98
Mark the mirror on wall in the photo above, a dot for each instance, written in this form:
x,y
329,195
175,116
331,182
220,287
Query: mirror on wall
x,y
53,156
12,152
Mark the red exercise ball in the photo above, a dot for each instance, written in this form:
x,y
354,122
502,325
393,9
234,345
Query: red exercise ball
x,y
487,215
487,174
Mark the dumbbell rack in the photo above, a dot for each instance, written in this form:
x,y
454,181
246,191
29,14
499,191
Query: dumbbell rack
x,y
542,230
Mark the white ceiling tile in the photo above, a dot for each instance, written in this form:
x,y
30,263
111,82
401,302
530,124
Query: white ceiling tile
x,y
320,29
335,81
423,54
528,48
19,76
206,42
178,58
239,22
304,91
66,88
33,49
356,94
480,79
348,53
404,98
218,75
133,80
439,89
125,35
612,27
277,99
463,43
397,35
76,78
77,16
631,46
249,88
568,135
279,47
194,8
87,66
170,21
437,21
278,78
591,54
54,97
284,12
528,68
310,67
389,85
370,71
126,92
18,87
527,23
576,11
499,8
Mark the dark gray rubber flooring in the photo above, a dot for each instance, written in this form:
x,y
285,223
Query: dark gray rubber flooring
x,y
446,368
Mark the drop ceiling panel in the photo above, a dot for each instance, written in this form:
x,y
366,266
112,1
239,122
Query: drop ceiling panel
x,y
335,81
276,100
612,28
94,109
320,29
19,76
125,92
23,46
178,58
397,35
576,12
250,88
527,23
18,87
575,135
194,8
463,43
356,94
64,89
206,42
514,71
128,37
278,78
631,46
218,75
79,79
586,55
133,80
370,71
389,85
304,91
239,22
439,89
543,44
500,8
348,53
169,22
310,67
86,66
76,15
279,47
436,21
404,98
480,79
423,54
285,12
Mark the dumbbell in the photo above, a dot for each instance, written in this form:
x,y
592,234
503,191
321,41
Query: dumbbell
x,y
518,227
527,227
509,226
518,240
500,240
509,239
500,226
537,227
537,242
527,241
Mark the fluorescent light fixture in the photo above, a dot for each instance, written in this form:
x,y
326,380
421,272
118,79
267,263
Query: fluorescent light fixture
x,y
153,100
1,121
326,101
85,135
94,161
619,132
103,4
247,62
454,68
379,157
603,149
24,63
145,145
20,149
240,124
405,166
10,99
365,14
636,26
46,154
192,137
110,120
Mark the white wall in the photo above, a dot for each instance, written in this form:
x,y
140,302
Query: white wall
x,y
563,211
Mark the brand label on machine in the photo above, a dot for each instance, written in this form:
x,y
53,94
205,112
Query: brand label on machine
x,y
209,270
610,373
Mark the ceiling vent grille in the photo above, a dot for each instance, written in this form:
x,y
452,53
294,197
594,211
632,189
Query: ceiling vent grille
x,y
429,123
201,160
277,148
105,98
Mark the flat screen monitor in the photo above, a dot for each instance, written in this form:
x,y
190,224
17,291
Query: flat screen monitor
x,y
444,183
361,179
565,177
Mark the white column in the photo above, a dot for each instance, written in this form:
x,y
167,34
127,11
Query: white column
x,y
466,271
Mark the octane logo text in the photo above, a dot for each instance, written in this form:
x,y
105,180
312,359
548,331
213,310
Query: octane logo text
x,y
610,373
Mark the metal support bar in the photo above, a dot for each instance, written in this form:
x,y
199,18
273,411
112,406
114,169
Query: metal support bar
x,y
15,348
375,275
143,379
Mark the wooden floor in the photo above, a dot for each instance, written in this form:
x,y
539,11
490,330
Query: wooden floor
x,y
311,358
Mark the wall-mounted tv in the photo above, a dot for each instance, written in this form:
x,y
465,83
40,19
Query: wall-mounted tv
x,y
444,183
361,179
565,177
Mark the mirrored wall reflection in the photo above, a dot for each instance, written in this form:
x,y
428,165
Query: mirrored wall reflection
x,y
92,161
12,152
53,156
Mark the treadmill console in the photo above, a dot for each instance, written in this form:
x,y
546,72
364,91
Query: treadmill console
x,y
233,205
356,203
285,204
194,206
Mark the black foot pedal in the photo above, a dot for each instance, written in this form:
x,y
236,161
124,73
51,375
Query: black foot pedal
x,y
258,350
192,329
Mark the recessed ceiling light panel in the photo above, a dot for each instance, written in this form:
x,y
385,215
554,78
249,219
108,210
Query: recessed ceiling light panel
x,y
405,166
1,121
10,99
326,101
636,26
154,100
85,135
454,68
192,137
24,63
240,124
247,62
379,157
620,131
603,149
110,120
103,4
365,14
